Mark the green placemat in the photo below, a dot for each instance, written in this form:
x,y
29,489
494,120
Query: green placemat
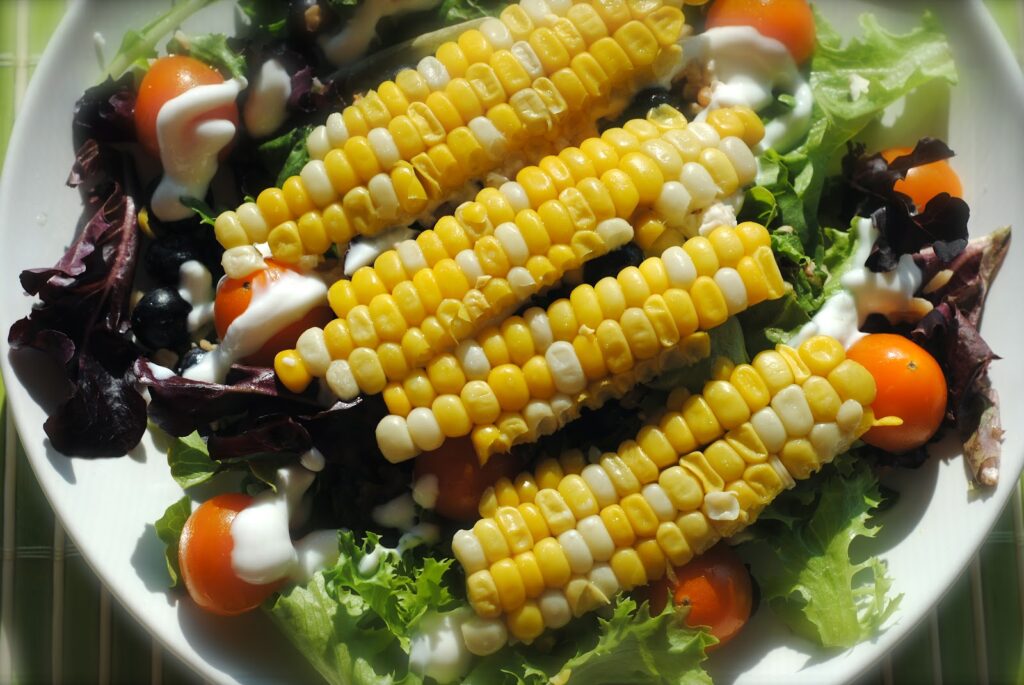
x,y
58,625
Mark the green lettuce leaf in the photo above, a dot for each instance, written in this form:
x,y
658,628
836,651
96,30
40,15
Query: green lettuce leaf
x,y
893,65
190,461
286,154
168,529
211,48
137,47
803,564
454,11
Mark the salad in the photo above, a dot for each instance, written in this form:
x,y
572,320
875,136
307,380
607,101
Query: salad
x,y
511,336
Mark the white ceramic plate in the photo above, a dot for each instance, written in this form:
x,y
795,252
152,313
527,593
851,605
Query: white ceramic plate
x,y
107,506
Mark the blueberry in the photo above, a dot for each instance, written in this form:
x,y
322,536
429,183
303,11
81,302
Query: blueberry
x,y
166,255
191,357
160,319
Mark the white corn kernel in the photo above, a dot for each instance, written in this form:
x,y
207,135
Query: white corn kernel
x,y
554,608
673,204
680,267
253,222
769,428
242,260
564,408
741,158
484,636
318,184
425,430
538,11
784,476
721,506
705,133
849,416
385,200
469,264
411,256
469,552
565,366
615,232
473,360
516,195
791,406
600,484
394,440
595,534
317,143
528,59
433,72
700,184
576,551
496,33
511,239
539,324
490,138
341,381
659,501
337,131
826,440
383,145
603,578
733,290
559,7
312,347
522,282
540,419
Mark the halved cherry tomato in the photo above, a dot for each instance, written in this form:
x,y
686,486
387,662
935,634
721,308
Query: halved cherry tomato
x,y
910,385
717,588
461,479
167,78
234,296
790,22
926,181
204,554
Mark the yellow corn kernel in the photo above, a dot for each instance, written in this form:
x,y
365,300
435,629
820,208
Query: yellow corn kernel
x,y
673,543
563,320
853,382
342,297
470,155
684,313
553,219
229,231
747,443
538,378
822,354
800,458
509,71
408,301
554,565
559,173
514,528
452,416
572,90
666,24
639,44
639,333
577,495
292,371
529,570
701,419
800,371
461,94
683,489
495,347
492,540
592,75
272,205
618,356
416,347
285,242
451,174
412,196
726,462
531,513
613,60
509,387
564,258
480,402
591,359
773,369
340,172
374,110
396,400
552,98
360,211
446,375
753,236
709,302
387,318
585,306
587,21
393,98
482,594
367,369
637,461
518,340
822,398
721,170
496,206
751,386
702,252
355,121
517,21
525,623
657,447
726,121
412,85
492,257
628,568
570,36
641,517
645,174
727,245
764,481
678,433
555,510
549,473
765,258
653,559
539,186
454,60
485,84
505,119
389,270
697,530
338,339
361,156
419,389
552,54
367,284
657,311
727,403
754,280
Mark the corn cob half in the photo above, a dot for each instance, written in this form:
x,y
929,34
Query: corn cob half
x,y
428,294
533,374
399,150
565,539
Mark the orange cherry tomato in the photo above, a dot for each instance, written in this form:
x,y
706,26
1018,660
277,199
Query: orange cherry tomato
x,y
926,181
910,385
790,22
167,78
234,296
204,555
717,588
461,479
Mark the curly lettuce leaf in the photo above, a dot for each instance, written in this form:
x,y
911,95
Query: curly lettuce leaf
x,y
168,529
892,64
807,575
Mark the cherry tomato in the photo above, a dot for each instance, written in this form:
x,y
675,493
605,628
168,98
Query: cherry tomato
x,y
204,554
717,588
910,385
926,181
790,22
167,78
234,296
460,477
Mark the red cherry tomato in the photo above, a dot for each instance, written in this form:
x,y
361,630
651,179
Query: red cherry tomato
x,y
790,22
911,385
204,554
461,480
717,588
926,181
167,78
234,296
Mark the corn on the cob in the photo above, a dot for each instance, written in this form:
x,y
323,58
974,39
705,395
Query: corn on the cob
x,y
429,294
703,471
397,151
509,386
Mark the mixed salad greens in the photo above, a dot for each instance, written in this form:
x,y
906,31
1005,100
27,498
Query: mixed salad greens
x,y
117,316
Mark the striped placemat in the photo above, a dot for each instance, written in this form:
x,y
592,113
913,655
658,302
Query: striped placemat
x,y
59,625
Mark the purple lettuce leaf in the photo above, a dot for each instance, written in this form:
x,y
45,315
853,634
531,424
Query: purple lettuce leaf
x,y
902,227
81,318
106,112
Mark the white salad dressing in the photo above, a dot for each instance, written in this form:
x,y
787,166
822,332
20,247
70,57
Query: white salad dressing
x,y
272,308
398,513
189,145
263,551
425,491
360,30
864,292
437,650
420,534
746,67
195,285
365,249
267,106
